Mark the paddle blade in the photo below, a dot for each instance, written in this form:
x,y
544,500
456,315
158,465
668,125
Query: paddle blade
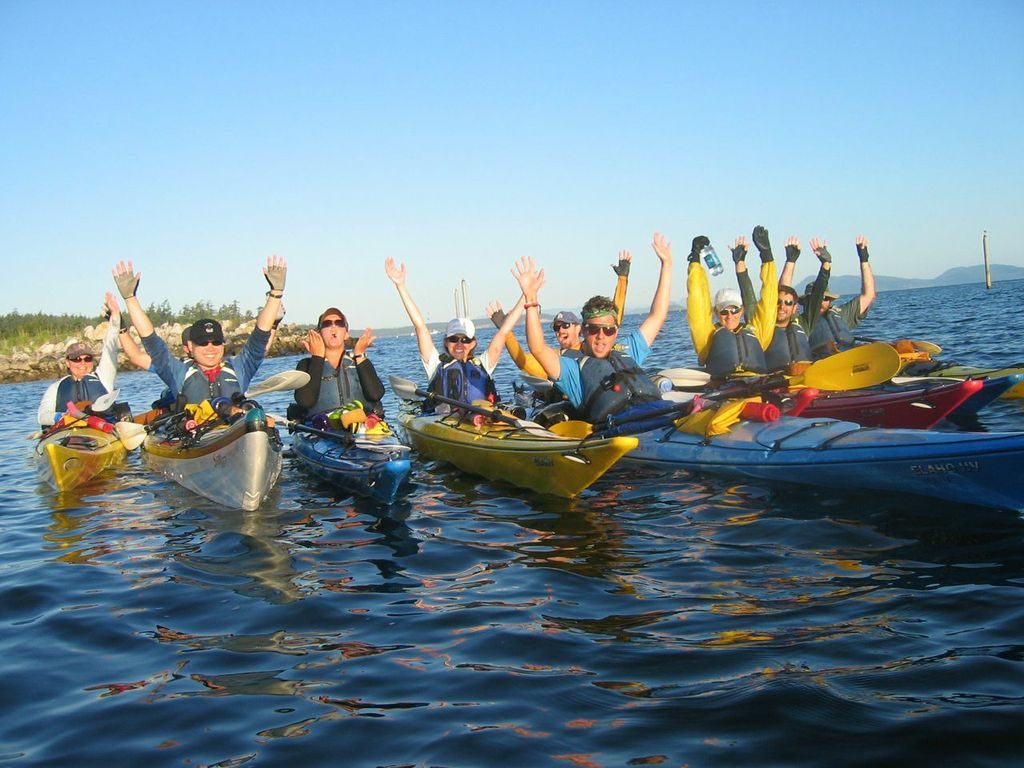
x,y
926,346
103,402
685,378
279,382
130,434
864,366
403,388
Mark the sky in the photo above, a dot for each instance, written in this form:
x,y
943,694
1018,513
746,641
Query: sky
x,y
198,138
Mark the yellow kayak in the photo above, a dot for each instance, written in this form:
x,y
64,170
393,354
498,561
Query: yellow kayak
x,y
70,456
527,456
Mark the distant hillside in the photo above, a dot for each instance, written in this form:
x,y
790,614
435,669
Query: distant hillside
x,y
847,284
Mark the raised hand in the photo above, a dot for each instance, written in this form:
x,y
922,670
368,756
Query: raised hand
x,y
622,270
663,248
739,249
496,313
820,248
275,273
698,244
530,279
862,248
764,248
364,342
395,272
126,279
314,343
792,249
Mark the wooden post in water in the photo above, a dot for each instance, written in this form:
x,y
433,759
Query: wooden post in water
x,y
988,270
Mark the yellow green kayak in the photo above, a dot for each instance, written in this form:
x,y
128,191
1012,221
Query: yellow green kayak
x,y
69,456
527,456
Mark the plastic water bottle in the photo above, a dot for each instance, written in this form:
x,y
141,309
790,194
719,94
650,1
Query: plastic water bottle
x,y
712,260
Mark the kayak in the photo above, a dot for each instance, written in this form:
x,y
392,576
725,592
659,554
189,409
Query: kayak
x,y
917,405
993,387
70,456
977,468
957,371
524,454
234,464
375,466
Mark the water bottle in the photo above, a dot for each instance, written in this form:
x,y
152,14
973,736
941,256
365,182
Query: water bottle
x,y
712,260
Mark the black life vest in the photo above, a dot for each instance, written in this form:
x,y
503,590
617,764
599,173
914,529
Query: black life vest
x,y
611,384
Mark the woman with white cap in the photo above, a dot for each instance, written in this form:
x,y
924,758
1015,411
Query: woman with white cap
x,y
457,372
86,379
731,345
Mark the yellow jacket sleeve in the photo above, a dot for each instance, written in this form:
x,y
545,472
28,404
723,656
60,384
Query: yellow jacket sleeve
x,y
524,361
767,305
698,310
620,297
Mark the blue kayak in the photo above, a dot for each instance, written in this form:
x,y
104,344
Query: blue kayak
x,y
979,468
374,466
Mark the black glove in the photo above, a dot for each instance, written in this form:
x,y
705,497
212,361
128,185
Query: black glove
x,y
823,255
126,322
862,253
739,253
763,246
699,243
498,317
623,269
792,253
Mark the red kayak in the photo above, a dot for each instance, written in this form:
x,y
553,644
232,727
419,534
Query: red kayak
x,y
906,406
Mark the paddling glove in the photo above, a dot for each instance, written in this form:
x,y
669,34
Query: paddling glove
x,y
498,317
275,277
823,255
623,269
763,246
862,253
127,283
739,253
792,253
698,245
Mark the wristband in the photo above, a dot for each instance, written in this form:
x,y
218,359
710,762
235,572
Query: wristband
x,y
273,295
531,305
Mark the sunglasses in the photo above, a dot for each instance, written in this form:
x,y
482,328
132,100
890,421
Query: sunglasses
x,y
786,302
605,330
730,311
560,326
335,323
209,343
459,340
80,359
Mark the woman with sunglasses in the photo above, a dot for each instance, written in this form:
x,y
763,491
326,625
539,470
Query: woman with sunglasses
x,y
336,376
208,373
456,373
731,345
599,379
85,380
790,349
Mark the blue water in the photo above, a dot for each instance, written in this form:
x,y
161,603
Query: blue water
x,y
659,619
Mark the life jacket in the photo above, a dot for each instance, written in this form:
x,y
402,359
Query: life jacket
x,y
789,345
830,334
734,352
466,381
611,384
197,387
338,386
88,388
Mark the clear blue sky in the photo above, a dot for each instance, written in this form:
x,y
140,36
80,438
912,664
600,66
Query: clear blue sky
x,y
197,138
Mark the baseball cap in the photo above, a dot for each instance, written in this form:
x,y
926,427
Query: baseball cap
x,y
205,331
332,311
566,317
460,325
77,350
727,297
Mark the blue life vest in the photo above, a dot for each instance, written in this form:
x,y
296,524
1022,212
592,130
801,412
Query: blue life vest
x,y
338,387
789,345
197,387
830,333
88,388
611,384
735,352
465,381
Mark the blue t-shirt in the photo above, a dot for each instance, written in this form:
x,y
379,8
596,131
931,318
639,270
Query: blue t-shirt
x,y
569,381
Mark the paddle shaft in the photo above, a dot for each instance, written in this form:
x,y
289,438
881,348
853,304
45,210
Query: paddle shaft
x,y
489,412
340,436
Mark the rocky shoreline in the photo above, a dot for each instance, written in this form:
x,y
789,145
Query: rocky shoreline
x,y
47,361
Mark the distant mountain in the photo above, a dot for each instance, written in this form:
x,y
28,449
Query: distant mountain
x,y
848,284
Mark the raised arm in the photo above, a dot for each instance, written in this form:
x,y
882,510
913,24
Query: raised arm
x,y
867,277
792,254
524,361
275,273
739,257
621,284
531,280
106,369
396,273
651,326
497,344
127,281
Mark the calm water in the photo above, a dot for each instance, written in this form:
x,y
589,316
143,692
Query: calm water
x,y
660,619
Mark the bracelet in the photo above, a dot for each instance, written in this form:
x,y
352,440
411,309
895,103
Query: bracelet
x,y
357,358
531,304
124,330
273,295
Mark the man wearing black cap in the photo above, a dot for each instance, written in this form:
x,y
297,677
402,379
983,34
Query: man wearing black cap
x,y
208,374
833,329
85,380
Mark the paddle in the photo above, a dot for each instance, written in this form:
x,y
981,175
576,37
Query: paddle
x,y
279,382
863,366
407,390
920,346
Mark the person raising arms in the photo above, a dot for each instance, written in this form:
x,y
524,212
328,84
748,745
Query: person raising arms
x,y
833,327
599,380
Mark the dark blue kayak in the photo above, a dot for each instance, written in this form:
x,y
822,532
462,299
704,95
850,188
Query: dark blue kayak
x,y
374,466
978,468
